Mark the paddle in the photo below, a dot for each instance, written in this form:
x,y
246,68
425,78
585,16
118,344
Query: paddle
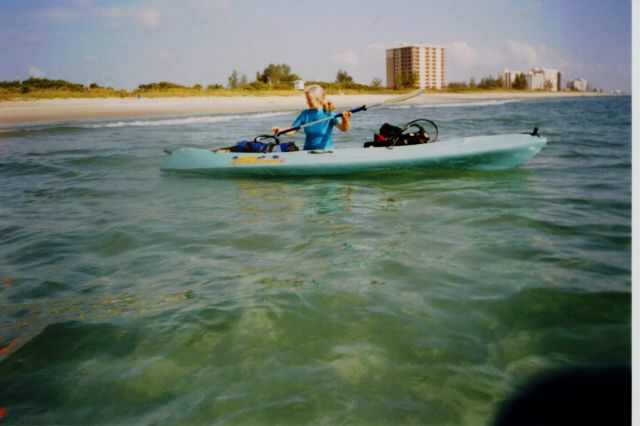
x,y
354,110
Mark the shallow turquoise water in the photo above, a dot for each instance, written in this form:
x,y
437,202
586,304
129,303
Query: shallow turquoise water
x,y
132,296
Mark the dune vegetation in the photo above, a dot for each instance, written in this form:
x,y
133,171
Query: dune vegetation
x,y
274,80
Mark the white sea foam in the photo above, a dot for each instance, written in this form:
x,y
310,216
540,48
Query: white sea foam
x,y
188,120
493,102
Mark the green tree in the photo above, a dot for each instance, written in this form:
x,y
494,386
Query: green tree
x,y
258,85
376,82
520,82
234,79
276,74
243,80
161,86
490,83
36,84
457,85
198,87
343,77
548,85
406,79
472,83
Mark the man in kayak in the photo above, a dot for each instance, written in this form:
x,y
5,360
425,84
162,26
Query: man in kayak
x,y
318,136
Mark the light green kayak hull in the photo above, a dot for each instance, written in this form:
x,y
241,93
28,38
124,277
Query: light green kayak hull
x,y
478,152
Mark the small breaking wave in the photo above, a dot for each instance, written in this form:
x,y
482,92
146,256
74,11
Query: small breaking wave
x,y
147,122
494,102
187,120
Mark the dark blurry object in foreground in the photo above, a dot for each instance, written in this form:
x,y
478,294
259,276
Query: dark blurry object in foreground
x,y
580,396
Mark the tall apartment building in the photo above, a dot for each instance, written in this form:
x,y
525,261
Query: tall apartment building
x,y
538,77
424,62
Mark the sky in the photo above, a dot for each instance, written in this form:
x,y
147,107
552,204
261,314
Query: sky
x,y
125,43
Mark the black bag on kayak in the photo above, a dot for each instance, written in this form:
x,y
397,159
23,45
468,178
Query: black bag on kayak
x,y
390,135
249,146
260,147
285,147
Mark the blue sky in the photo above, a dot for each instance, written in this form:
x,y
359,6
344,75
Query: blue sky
x,y
124,43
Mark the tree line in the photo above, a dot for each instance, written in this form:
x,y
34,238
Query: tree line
x,y
281,77
272,77
40,84
488,83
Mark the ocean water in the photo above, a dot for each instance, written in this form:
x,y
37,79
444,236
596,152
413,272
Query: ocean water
x,y
129,296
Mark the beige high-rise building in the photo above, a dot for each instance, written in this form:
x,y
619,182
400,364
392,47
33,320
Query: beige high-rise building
x,y
424,63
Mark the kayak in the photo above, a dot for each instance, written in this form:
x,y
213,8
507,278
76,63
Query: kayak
x,y
492,152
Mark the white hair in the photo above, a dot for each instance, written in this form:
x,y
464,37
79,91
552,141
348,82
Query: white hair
x,y
315,91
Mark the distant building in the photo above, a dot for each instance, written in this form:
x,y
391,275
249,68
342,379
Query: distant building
x,y
298,84
578,84
535,79
508,77
544,79
421,63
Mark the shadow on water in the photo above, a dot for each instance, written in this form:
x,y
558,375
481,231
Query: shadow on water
x,y
589,395
389,177
42,376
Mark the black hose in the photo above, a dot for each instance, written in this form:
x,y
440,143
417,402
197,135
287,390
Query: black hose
x,y
414,123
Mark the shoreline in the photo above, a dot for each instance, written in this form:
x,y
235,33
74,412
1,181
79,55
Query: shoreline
x,y
21,112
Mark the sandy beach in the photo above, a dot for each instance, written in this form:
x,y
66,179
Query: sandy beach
x,y
27,111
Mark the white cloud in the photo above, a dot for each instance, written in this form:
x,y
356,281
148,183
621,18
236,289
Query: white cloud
x,y
463,54
210,4
111,12
210,11
23,36
464,58
146,15
376,47
346,57
166,55
35,72
83,3
90,58
60,15
30,38
526,55
149,17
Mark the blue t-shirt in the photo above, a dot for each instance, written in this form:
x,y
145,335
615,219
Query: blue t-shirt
x,y
318,136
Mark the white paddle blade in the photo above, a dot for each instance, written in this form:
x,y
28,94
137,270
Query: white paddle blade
x,y
404,97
